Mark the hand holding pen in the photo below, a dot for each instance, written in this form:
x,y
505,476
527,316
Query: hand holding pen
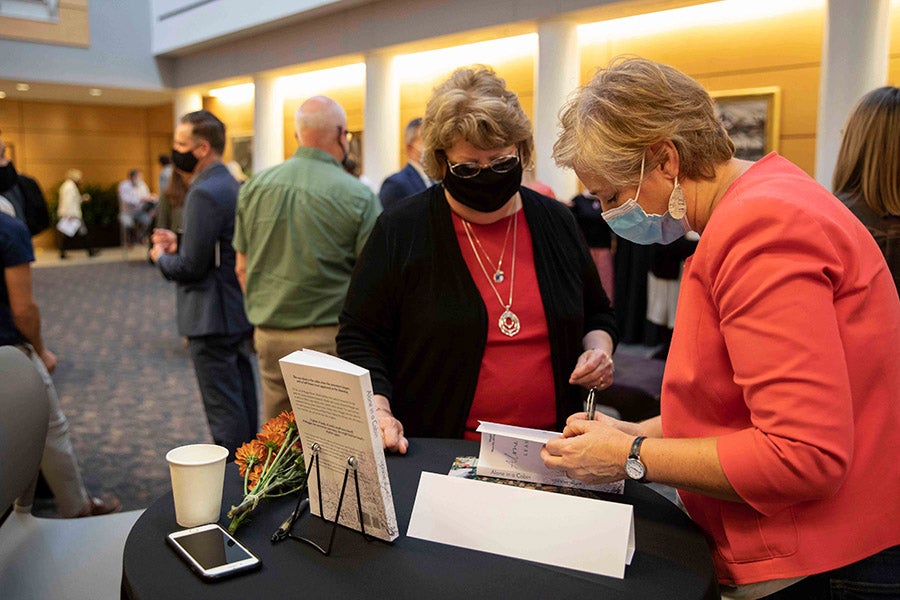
x,y
591,404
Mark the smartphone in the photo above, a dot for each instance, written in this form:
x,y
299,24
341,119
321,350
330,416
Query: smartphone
x,y
211,551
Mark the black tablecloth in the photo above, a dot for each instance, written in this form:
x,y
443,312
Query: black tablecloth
x,y
671,560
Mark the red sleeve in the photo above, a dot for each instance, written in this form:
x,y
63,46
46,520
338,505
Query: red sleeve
x,y
774,290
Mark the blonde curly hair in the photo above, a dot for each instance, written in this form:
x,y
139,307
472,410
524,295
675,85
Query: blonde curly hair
x,y
474,105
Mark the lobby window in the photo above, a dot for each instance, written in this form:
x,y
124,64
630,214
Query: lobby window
x,y
35,10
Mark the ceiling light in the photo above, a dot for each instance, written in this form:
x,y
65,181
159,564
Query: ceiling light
x,y
233,94
719,13
409,67
95,92
311,83
2,95
23,87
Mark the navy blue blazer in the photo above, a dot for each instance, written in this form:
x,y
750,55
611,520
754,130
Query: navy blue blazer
x,y
209,297
403,183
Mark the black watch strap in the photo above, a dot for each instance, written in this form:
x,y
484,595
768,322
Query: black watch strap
x,y
635,454
636,447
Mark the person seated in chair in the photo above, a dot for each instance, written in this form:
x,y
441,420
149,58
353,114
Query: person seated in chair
x,y
136,207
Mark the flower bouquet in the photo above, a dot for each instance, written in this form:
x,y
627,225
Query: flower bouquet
x,y
272,465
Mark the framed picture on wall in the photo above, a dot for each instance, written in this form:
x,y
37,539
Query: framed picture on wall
x,y
751,117
242,152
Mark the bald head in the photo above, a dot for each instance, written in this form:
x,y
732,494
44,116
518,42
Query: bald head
x,y
321,123
317,118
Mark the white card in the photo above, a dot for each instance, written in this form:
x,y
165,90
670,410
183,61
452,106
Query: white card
x,y
585,534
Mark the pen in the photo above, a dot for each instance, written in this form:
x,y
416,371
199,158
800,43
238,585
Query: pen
x,y
591,404
285,527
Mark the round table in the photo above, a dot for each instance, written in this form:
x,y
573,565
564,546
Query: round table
x,y
671,560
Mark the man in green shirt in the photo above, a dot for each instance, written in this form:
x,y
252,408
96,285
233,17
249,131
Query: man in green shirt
x,y
300,226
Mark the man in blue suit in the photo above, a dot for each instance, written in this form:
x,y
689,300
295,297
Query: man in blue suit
x,y
210,304
411,179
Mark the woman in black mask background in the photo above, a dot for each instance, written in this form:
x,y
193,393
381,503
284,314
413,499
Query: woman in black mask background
x,y
478,298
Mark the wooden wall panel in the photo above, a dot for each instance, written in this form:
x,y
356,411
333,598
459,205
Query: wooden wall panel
x,y
801,151
80,118
72,28
10,116
160,119
62,146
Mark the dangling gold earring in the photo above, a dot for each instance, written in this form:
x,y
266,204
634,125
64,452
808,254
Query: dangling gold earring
x,y
677,203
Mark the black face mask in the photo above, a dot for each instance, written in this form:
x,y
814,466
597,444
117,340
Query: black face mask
x,y
8,177
486,192
184,161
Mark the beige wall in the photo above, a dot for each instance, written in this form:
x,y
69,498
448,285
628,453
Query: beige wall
x,y
783,52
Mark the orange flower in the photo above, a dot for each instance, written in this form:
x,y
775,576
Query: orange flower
x,y
271,465
250,454
273,433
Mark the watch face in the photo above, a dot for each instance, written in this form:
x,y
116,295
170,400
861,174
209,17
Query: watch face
x,y
634,468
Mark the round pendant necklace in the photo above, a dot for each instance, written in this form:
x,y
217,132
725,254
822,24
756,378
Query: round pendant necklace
x,y
509,322
499,275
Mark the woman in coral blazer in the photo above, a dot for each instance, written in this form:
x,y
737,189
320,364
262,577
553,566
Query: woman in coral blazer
x,y
780,403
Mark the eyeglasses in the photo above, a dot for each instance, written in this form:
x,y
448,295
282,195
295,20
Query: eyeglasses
x,y
347,132
468,170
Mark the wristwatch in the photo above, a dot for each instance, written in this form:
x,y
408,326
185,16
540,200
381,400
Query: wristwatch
x,y
634,468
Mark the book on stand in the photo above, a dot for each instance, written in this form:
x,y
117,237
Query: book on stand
x,y
333,403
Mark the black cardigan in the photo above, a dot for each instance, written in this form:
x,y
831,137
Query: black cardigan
x,y
415,319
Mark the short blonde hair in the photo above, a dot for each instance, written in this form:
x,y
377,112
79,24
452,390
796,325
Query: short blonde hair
x,y
473,105
608,124
73,174
868,163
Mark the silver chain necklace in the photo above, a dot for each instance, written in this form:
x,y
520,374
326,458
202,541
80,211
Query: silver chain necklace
x,y
509,322
499,275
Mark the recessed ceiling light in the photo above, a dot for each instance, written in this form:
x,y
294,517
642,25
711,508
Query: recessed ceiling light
x,y
2,95
95,91
23,87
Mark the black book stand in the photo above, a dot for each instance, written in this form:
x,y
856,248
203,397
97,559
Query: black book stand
x,y
286,529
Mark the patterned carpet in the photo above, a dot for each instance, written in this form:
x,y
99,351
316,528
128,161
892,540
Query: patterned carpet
x,y
124,377
126,381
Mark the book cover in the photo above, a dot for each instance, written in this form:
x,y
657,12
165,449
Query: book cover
x,y
333,403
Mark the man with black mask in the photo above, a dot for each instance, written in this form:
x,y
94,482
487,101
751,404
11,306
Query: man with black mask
x,y
210,304
23,195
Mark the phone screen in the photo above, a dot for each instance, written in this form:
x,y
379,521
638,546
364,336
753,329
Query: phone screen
x,y
212,548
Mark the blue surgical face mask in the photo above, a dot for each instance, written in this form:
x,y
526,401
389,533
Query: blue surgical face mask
x,y
631,222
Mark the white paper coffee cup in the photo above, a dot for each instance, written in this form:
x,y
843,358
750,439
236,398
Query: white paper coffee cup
x,y
198,474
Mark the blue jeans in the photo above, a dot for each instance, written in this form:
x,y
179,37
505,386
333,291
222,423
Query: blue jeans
x,y
874,578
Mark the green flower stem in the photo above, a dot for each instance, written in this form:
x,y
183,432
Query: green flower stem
x,y
281,476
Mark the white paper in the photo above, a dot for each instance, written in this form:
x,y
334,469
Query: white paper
x,y
515,453
69,226
555,529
